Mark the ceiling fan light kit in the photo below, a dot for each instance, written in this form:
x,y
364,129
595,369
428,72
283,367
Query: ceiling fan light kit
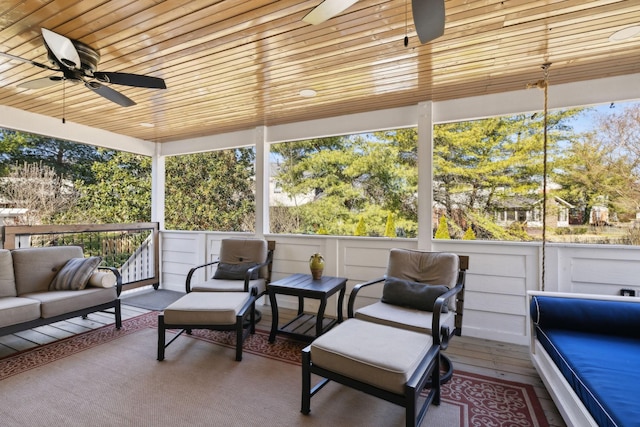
x,y
78,63
326,10
428,16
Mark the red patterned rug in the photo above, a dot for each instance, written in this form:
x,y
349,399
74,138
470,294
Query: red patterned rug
x,y
482,401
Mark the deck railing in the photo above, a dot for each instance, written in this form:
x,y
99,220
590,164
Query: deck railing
x,y
132,248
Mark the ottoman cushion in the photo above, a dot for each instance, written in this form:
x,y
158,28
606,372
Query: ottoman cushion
x,y
379,355
206,308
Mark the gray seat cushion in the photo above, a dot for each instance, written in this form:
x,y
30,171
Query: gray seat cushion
x,y
375,354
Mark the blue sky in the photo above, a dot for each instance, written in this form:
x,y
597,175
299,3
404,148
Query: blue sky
x,y
586,121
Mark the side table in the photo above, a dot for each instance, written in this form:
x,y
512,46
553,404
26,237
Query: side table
x,y
306,326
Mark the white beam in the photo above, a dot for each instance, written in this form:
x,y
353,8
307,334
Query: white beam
x,y
16,119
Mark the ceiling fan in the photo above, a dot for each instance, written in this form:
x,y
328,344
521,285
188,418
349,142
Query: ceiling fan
x,y
428,16
77,63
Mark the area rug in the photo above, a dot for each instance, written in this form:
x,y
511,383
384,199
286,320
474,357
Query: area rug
x,y
151,299
107,377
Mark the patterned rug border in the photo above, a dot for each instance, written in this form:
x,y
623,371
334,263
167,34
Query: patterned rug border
x,y
487,400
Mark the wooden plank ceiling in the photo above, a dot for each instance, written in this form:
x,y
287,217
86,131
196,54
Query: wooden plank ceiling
x,y
237,64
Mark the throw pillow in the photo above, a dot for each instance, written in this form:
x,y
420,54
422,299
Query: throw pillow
x,y
235,271
102,279
416,295
75,274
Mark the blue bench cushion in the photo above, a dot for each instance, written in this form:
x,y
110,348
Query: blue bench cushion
x,y
596,351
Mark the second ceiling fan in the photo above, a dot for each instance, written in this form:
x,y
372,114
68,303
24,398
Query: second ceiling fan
x,y
428,16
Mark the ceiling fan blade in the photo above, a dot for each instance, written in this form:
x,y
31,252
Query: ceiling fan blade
x,y
41,83
326,10
128,79
428,18
111,94
62,48
28,61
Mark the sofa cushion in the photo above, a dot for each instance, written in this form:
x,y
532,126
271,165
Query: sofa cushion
x,y
35,268
601,368
421,296
7,278
14,310
75,274
55,303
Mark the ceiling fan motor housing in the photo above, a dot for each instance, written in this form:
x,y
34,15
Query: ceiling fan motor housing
x,y
89,57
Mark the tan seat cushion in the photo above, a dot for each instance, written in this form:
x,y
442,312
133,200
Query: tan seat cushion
x,y
54,303
375,354
225,285
14,310
7,279
403,317
206,308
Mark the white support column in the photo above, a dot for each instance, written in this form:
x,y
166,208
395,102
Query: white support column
x,y
425,175
157,187
262,181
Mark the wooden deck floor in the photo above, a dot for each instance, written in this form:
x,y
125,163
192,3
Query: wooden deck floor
x,y
490,358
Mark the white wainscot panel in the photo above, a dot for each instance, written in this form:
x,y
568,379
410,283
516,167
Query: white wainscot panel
x,y
605,271
496,284
497,303
495,326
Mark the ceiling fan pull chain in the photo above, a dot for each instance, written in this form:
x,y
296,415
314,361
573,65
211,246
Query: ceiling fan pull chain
x,y
406,36
64,104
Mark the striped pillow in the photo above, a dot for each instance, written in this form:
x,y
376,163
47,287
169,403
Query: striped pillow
x,y
75,274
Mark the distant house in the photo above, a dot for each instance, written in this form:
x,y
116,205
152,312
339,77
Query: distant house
x,y
11,216
529,211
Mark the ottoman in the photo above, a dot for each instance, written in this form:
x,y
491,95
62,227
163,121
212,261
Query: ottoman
x,y
387,362
209,310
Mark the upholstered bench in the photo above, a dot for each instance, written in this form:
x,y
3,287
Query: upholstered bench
x,y
390,363
209,310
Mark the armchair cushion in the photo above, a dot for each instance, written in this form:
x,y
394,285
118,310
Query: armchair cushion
x,y
235,271
420,296
75,274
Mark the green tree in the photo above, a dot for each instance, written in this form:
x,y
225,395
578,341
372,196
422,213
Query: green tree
x,y
121,192
350,177
469,234
361,229
604,165
390,228
72,160
477,164
211,191
443,230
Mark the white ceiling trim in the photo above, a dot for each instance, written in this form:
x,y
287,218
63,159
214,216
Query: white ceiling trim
x,y
16,119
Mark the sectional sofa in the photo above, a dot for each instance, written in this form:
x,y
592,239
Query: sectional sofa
x,y
586,349
43,285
